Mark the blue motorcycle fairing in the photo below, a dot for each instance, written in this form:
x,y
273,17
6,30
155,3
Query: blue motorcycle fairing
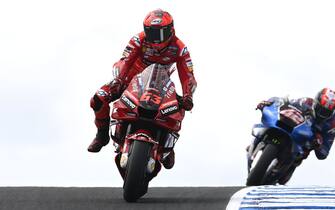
x,y
258,130
300,135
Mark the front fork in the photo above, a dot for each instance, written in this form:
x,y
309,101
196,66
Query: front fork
x,y
252,151
158,152
120,133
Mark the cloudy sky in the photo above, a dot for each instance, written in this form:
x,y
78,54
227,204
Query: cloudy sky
x,y
55,54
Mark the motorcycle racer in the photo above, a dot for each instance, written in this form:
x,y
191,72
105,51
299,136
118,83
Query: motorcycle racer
x,y
156,44
321,110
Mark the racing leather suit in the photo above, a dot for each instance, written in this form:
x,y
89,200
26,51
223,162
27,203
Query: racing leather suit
x,y
325,128
137,55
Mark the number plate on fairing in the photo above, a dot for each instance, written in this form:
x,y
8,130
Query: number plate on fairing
x,y
290,118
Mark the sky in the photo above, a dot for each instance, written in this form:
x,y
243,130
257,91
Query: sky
x,y
54,55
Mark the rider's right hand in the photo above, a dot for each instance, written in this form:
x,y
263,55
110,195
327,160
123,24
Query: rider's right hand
x,y
262,104
115,86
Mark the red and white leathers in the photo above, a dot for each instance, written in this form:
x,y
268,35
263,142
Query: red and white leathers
x,y
137,55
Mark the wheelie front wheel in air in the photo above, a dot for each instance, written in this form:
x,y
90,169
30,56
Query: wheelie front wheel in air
x,y
135,182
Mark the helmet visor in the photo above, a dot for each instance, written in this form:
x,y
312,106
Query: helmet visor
x,y
157,35
322,112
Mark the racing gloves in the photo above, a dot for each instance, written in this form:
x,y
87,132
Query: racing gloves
x,y
262,104
115,86
187,102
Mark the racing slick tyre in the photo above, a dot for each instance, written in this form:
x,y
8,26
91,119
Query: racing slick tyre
x,y
257,173
135,182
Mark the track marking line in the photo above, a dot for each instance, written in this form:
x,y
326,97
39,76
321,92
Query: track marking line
x,y
236,200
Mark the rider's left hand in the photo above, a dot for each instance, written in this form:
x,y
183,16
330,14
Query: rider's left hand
x,y
262,104
187,102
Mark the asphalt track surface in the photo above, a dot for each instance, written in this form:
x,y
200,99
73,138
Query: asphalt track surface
x,y
35,198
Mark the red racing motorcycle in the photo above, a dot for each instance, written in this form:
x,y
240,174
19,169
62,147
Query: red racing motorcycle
x,y
145,125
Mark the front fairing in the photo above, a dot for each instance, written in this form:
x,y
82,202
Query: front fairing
x,y
151,95
300,135
270,115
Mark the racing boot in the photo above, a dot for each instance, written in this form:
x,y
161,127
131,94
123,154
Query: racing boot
x,y
101,139
168,161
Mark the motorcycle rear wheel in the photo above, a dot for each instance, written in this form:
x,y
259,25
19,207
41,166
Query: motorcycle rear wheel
x,y
257,173
135,183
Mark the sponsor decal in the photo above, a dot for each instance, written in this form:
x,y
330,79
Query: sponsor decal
x,y
129,103
169,110
294,115
102,93
137,40
331,131
170,91
125,54
275,141
166,59
127,51
189,65
148,51
156,21
173,50
184,51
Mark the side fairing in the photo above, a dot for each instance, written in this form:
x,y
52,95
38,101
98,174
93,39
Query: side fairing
x,y
270,115
303,132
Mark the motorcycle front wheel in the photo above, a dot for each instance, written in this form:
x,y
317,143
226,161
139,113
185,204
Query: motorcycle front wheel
x,y
135,183
257,173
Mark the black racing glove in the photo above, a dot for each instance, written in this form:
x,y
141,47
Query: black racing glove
x,y
116,88
185,102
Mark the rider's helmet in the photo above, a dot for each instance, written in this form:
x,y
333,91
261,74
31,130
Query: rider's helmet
x,y
158,28
324,103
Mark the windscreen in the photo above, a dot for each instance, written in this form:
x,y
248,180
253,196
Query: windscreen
x,y
153,83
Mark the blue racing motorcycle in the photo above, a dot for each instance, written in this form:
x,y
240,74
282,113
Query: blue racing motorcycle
x,y
282,141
